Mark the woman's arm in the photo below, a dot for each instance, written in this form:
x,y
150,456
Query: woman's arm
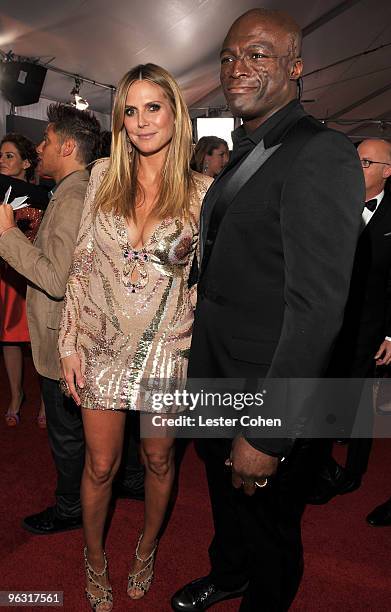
x,y
76,290
202,184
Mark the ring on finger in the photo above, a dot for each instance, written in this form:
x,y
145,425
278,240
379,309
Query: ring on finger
x,y
64,386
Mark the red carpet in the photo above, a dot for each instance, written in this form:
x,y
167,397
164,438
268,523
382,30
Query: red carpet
x,y
347,561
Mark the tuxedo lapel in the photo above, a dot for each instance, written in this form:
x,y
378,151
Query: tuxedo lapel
x,y
379,215
252,163
255,160
271,142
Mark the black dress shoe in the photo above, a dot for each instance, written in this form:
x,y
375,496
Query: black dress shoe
x,y
381,516
201,594
47,522
333,480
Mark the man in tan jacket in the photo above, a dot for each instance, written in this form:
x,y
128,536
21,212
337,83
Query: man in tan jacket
x,y
69,145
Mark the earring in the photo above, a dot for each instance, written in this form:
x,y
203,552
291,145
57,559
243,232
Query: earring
x,y
205,168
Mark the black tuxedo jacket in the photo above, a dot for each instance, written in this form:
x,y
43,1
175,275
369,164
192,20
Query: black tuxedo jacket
x,y
367,314
274,279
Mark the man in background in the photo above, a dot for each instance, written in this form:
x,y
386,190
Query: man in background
x,y
69,145
365,338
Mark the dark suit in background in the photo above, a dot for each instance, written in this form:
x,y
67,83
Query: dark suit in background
x,y
371,314
274,280
366,324
366,319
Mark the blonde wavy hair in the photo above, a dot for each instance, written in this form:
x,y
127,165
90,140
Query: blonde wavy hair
x,y
120,188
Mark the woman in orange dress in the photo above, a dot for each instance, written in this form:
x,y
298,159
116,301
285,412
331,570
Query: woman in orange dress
x,y
18,159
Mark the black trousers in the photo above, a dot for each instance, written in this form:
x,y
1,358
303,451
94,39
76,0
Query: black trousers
x,y
359,448
66,439
258,538
356,404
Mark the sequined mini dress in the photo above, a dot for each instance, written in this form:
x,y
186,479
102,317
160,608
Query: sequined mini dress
x,y
128,313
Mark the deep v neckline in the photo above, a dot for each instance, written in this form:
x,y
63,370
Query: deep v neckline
x,y
147,241
126,243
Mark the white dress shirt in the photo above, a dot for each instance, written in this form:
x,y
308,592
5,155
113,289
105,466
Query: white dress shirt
x,y
366,213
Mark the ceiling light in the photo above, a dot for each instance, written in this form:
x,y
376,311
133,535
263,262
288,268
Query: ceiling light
x,y
77,101
80,102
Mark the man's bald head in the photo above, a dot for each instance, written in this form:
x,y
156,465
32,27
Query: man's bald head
x,y
260,65
378,152
378,146
276,19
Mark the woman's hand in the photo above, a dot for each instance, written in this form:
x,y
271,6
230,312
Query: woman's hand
x,y
71,370
7,219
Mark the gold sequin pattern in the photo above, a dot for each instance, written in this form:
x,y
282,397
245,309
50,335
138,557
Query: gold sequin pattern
x,y
127,312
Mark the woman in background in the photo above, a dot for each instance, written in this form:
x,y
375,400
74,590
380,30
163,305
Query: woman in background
x,y
211,155
18,159
128,314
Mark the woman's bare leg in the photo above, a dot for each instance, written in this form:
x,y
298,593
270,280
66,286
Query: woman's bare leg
x,y
104,431
158,458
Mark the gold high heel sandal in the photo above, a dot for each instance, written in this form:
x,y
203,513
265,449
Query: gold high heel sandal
x,y
107,592
134,580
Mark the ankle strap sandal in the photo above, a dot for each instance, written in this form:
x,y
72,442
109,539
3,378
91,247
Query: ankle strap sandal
x,y
134,579
92,576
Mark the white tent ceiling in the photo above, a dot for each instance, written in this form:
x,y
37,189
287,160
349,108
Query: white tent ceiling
x,y
101,40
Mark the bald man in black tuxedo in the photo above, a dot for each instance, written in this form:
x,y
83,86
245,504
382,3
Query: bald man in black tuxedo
x,y
365,338
277,246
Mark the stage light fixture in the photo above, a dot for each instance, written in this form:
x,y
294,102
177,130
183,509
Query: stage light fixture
x,y
78,101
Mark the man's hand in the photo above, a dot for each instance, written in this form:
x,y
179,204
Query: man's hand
x,y
383,355
7,218
250,465
72,373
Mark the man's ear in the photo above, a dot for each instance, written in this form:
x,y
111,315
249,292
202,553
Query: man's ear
x,y
296,69
386,172
68,147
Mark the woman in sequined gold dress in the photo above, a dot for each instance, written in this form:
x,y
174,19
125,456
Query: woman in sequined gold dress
x,y
18,159
128,312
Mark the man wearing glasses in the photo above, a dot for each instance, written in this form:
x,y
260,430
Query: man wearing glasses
x,y
365,339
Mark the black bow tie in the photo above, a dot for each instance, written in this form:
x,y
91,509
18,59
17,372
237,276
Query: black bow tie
x,y
371,204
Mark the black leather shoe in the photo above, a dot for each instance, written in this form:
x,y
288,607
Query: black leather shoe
x,y
47,522
381,515
333,480
201,594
